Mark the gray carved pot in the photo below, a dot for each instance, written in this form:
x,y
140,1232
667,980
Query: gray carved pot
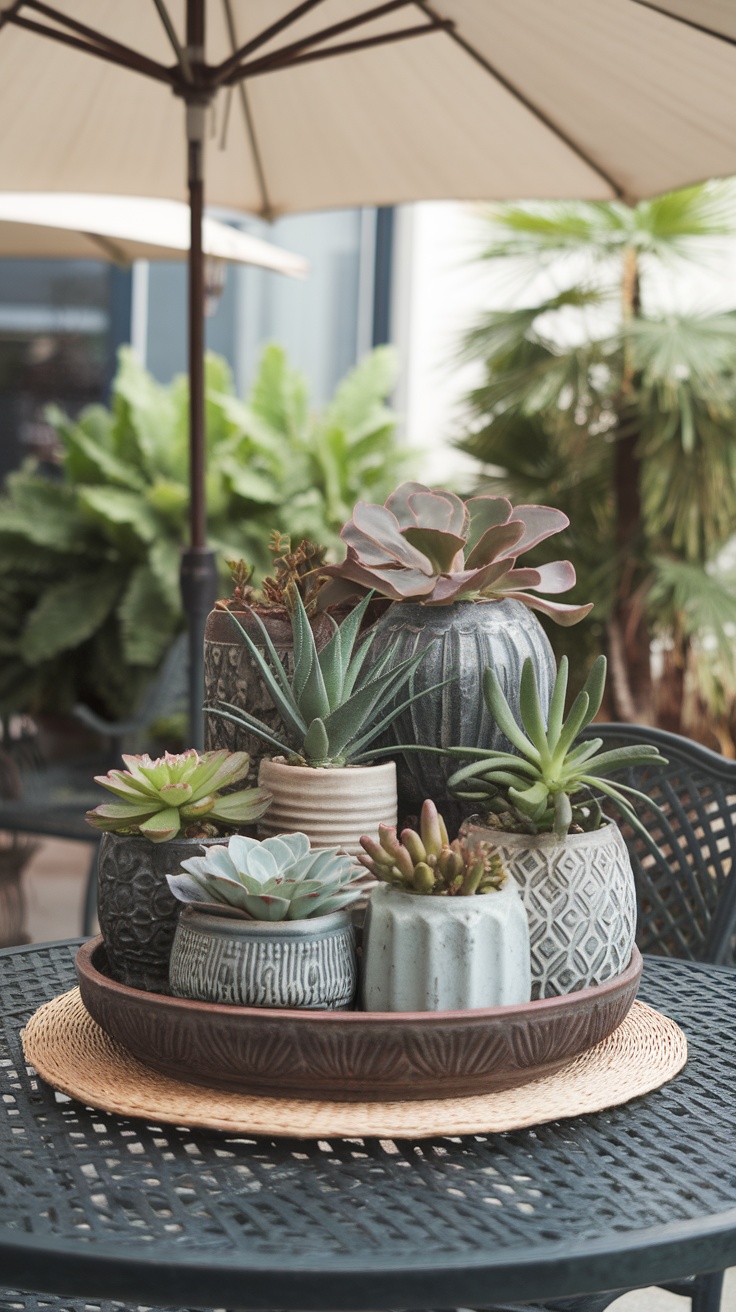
x,y
136,909
460,640
580,900
253,963
230,675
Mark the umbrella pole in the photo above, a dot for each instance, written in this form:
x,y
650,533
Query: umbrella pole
x,y
198,563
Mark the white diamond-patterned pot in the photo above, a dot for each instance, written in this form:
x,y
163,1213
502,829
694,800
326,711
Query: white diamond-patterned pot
x,y
580,900
423,953
253,963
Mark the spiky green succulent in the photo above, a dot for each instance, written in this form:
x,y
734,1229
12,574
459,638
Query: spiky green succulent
x,y
427,862
553,781
338,700
432,548
160,798
280,878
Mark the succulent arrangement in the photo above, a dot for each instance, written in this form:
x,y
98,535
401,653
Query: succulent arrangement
x,y
338,701
428,863
277,879
300,566
435,549
158,799
549,783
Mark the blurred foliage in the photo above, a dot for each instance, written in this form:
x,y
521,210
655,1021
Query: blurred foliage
x,y
89,560
595,400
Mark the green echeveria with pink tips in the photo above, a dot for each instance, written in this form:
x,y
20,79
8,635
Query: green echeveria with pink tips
x,y
435,549
160,798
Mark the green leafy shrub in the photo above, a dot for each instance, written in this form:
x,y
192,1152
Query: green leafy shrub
x,y
89,562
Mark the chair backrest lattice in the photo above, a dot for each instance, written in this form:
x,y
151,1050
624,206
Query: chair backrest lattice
x,y
683,868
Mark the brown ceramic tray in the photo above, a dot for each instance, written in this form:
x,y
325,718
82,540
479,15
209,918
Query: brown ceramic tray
x,y
352,1056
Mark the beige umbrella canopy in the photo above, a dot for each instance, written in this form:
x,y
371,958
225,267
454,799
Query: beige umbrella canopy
x,y
346,102
122,229
516,98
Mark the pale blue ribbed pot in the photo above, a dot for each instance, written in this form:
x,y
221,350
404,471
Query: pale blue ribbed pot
x,y
445,953
461,640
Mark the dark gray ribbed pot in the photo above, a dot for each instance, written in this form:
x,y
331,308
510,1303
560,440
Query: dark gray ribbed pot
x,y
461,640
136,909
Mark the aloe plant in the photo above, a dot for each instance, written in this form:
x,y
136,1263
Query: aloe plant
x,y
159,798
432,548
280,878
551,784
428,863
337,702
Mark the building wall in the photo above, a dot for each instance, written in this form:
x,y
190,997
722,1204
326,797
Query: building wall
x,y
319,320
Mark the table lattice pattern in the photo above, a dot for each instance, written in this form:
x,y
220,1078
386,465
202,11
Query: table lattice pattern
x,y
128,1210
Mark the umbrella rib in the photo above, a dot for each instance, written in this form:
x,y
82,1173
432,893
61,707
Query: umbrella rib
x,y
272,64
99,38
176,45
538,113
257,41
323,34
7,14
688,22
108,50
111,249
266,208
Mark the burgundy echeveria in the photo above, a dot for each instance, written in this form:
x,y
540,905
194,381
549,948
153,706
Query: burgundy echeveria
x,y
435,549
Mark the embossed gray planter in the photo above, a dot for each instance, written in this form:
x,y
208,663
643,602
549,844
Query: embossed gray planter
x,y
136,909
230,675
445,953
580,899
254,963
461,640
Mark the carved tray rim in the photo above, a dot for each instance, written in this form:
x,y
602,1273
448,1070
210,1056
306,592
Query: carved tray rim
x,y
113,1006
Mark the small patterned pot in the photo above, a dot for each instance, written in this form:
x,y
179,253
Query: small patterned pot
x,y
445,953
136,909
254,963
580,899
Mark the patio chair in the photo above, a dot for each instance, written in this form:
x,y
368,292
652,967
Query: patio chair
x,y
686,900
53,796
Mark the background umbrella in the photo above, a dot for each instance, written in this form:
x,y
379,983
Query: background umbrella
x,y
123,229
348,102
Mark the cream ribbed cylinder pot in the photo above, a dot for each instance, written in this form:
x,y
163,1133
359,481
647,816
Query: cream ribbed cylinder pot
x,y
333,807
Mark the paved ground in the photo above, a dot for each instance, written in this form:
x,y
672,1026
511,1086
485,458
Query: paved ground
x,y
55,882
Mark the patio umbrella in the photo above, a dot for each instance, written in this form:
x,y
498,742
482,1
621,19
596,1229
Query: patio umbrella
x,y
123,229
349,102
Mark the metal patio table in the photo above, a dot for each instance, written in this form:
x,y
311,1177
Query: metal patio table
x,y
105,1207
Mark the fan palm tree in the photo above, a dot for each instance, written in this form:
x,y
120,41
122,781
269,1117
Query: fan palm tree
x,y
598,402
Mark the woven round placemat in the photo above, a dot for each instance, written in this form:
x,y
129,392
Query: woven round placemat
x,y
71,1052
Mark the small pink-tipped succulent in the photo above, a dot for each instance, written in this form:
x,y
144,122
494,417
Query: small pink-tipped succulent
x,y
158,799
428,863
432,548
